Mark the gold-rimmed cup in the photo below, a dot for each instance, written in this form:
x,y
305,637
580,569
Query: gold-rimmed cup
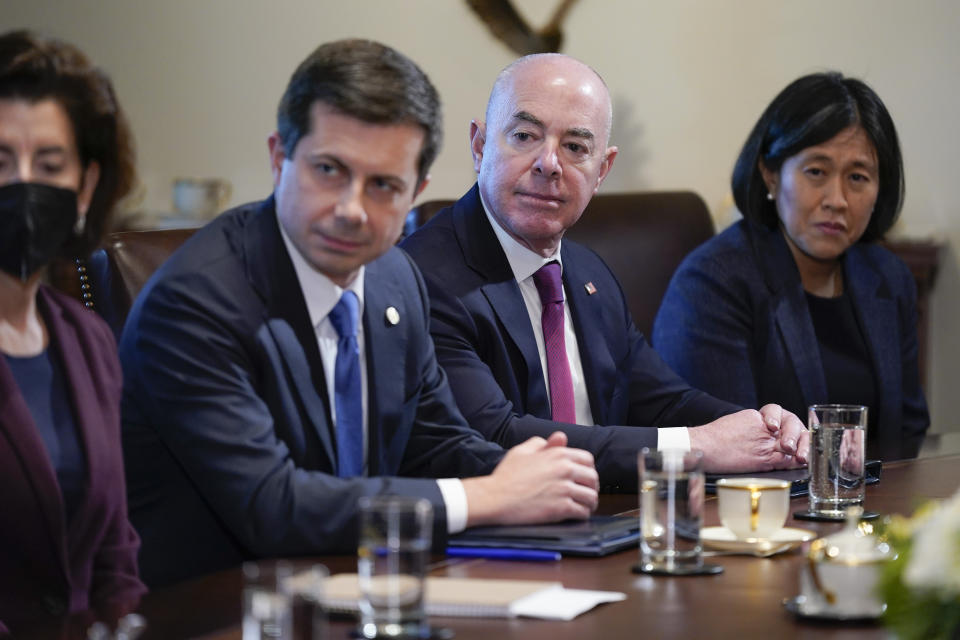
x,y
753,508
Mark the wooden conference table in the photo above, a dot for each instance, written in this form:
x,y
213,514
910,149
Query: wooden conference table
x,y
742,602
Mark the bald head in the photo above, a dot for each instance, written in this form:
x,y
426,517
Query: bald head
x,y
542,152
559,68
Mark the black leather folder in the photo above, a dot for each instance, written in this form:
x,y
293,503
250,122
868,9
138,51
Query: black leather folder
x,y
799,478
598,536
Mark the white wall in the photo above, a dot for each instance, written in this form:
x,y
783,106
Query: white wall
x,y
201,79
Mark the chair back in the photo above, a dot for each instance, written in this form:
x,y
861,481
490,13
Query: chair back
x,y
125,264
110,279
643,236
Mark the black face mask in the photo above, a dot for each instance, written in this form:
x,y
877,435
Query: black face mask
x,y
35,220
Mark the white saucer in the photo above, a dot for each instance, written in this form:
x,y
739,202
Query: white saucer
x,y
786,538
799,607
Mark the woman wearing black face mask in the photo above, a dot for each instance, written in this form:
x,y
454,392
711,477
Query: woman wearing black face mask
x,y
67,550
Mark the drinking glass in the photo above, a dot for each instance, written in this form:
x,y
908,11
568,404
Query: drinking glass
x,y
671,512
838,435
267,600
395,536
309,616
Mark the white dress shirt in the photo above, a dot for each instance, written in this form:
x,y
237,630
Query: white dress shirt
x,y
321,295
524,263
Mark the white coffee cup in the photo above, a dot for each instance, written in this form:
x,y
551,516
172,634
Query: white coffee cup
x,y
753,508
200,199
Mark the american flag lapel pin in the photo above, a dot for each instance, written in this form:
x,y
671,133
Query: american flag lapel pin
x,y
590,288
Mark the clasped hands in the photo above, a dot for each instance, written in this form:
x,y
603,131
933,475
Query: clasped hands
x,y
751,440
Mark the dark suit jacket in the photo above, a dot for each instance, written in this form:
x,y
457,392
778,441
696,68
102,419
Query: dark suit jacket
x,y
49,567
485,343
227,438
735,322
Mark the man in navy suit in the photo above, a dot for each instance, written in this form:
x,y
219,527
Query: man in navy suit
x,y
234,435
540,156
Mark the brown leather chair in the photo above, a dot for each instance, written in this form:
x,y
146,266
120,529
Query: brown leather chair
x,y
111,278
642,236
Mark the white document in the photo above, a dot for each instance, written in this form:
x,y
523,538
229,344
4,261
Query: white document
x,y
558,603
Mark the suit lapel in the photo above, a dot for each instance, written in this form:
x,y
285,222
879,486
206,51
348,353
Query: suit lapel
x,y
287,321
29,453
484,255
386,347
872,300
791,312
507,303
84,399
290,351
599,365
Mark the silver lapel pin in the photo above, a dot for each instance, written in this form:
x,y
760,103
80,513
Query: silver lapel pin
x,y
393,316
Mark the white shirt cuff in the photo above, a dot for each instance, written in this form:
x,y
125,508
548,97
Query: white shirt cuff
x,y
672,438
455,500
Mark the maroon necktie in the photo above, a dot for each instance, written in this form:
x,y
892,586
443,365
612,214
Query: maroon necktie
x,y
550,286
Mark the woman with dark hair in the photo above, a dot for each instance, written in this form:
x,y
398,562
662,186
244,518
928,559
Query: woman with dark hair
x,y
67,550
797,304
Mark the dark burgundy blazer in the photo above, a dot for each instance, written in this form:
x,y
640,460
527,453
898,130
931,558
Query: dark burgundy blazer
x,y
47,569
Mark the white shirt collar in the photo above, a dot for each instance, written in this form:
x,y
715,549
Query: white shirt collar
x,y
319,291
523,262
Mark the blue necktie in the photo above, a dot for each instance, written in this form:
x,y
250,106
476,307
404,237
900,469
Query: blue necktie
x,y
347,387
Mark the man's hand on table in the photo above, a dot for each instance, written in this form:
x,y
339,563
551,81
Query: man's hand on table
x,y
537,481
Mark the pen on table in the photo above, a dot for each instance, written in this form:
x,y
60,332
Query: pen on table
x,y
493,553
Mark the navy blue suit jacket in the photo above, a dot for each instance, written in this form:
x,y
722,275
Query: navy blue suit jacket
x,y
735,323
485,342
226,427
51,567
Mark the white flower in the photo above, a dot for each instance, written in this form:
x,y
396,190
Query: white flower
x,y
935,558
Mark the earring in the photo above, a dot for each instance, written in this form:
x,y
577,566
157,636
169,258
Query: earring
x,y
79,225
770,196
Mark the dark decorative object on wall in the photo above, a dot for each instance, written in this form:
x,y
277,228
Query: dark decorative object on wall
x,y
509,26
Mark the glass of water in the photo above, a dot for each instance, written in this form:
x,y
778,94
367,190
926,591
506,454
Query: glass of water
x,y
395,536
671,512
838,436
309,616
267,600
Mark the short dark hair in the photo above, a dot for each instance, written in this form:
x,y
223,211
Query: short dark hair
x,y
35,68
809,111
365,80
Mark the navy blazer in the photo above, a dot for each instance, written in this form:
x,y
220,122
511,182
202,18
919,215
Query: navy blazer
x,y
485,343
735,322
49,567
226,429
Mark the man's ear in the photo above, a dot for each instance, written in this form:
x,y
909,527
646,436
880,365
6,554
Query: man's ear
x,y
277,156
770,178
420,187
478,137
606,165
